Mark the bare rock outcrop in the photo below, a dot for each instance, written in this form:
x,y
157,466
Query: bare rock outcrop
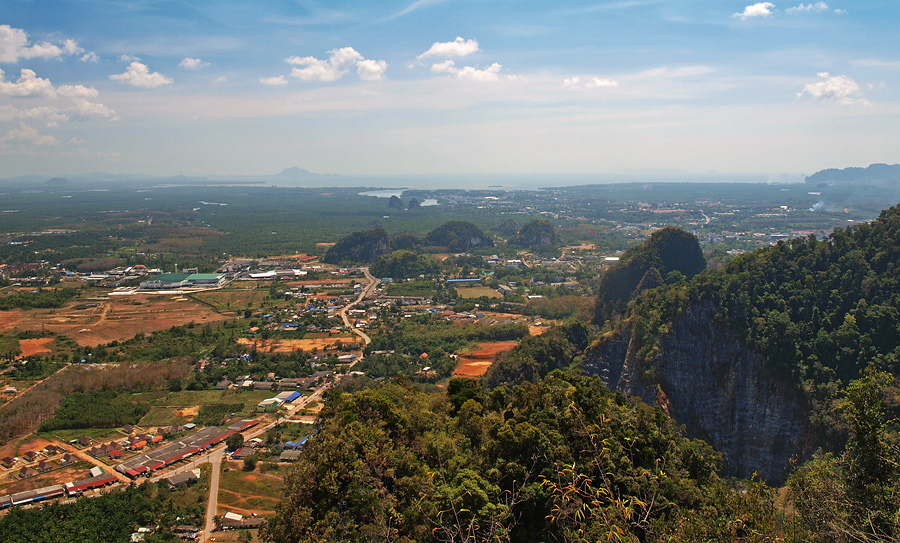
x,y
716,386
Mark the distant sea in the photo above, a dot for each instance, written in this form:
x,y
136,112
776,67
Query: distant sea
x,y
517,182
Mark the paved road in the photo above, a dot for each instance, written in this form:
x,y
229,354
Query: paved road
x,y
366,291
215,459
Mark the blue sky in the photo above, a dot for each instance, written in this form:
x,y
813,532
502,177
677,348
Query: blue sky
x,y
447,86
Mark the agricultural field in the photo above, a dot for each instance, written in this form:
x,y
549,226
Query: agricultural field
x,y
96,320
247,493
478,292
169,408
307,344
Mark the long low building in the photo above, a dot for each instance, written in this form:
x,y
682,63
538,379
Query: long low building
x,y
97,481
183,280
31,496
173,452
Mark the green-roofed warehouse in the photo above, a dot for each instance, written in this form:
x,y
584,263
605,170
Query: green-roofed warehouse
x,y
182,280
166,280
205,278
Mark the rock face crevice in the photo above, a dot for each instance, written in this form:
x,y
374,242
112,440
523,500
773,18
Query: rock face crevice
x,y
716,386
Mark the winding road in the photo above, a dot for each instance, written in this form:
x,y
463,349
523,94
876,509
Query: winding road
x,y
216,455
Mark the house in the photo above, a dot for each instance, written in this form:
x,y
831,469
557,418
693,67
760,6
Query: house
x,y
224,384
44,466
8,461
67,459
243,524
115,454
85,441
242,453
184,478
289,456
26,472
263,385
128,429
243,425
30,456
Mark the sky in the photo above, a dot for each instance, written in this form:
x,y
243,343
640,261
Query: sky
x,y
425,87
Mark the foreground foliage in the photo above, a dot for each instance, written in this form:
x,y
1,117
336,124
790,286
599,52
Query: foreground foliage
x,y
562,459
110,518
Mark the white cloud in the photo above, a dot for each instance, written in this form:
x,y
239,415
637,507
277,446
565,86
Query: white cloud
x,y
27,135
129,58
487,74
590,83
817,6
839,88
77,91
28,84
760,9
418,4
14,45
371,70
90,57
456,48
139,75
339,62
85,108
448,66
44,114
273,81
468,72
192,63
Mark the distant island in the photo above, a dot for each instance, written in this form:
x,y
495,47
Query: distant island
x,y
874,174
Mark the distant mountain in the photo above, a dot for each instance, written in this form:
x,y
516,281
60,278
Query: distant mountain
x,y
874,174
294,171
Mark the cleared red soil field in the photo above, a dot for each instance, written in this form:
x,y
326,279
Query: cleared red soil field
x,y
94,322
30,347
476,363
291,345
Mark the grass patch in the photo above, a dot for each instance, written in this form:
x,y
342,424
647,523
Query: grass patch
x,y
188,398
412,288
253,491
97,434
161,416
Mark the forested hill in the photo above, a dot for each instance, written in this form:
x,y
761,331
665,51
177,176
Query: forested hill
x,y
755,356
874,174
557,460
669,254
367,246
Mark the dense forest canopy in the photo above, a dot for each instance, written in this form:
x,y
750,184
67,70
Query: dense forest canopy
x,y
458,236
359,247
561,459
536,233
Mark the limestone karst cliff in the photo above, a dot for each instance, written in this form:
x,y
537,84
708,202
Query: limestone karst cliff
x,y
718,387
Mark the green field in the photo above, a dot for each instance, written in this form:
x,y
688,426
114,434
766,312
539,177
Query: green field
x,y
249,492
477,292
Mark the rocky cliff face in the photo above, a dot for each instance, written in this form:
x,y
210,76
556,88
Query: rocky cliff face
x,y
721,390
